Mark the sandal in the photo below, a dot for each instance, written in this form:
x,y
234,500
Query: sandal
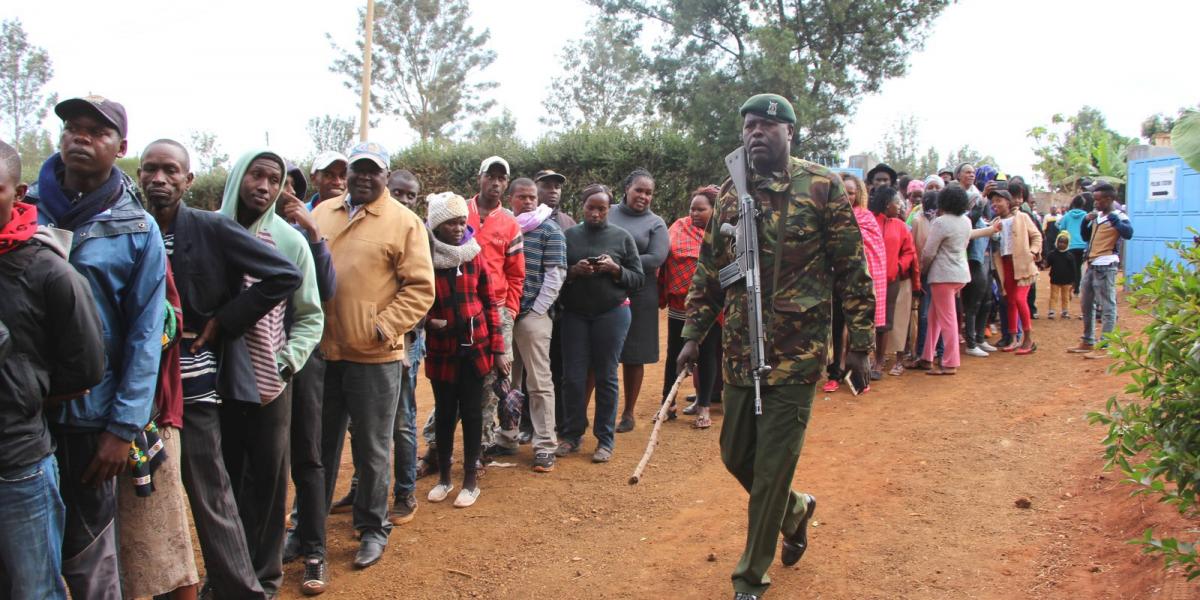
x,y
1026,351
830,386
941,371
702,422
897,369
920,365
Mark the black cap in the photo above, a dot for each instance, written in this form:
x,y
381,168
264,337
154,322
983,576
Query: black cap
x,y
881,167
98,106
548,174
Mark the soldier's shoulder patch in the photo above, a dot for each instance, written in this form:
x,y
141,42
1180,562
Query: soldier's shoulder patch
x,y
813,168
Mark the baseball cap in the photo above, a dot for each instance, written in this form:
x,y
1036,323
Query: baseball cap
x,y
109,111
493,160
548,174
325,159
372,152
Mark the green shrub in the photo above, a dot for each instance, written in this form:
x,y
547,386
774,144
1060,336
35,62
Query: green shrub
x,y
1159,431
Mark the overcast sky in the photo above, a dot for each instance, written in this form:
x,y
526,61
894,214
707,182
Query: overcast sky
x,y
990,70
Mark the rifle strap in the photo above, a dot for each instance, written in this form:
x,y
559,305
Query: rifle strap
x,y
777,258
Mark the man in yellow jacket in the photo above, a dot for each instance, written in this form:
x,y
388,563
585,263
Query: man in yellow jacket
x,y
381,252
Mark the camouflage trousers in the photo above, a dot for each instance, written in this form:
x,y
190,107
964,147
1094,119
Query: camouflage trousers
x,y
491,402
761,451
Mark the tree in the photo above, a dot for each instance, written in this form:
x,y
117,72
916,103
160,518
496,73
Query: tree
x,y
209,156
900,146
330,133
967,154
1163,123
1079,146
821,55
34,148
424,55
24,71
604,81
503,127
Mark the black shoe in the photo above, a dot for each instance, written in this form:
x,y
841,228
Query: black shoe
x,y
566,447
291,547
491,453
543,462
795,544
345,505
315,575
744,596
404,510
524,438
369,553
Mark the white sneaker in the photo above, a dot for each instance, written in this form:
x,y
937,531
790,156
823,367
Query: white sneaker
x,y
975,351
986,347
439,492
466,497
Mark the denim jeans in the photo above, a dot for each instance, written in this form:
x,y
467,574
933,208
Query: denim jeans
x,y
592,342
31,530
404,435
1099,285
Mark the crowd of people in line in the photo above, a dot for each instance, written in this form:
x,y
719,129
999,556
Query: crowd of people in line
x,y
159,361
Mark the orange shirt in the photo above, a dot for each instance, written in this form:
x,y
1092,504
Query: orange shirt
x,y
503,253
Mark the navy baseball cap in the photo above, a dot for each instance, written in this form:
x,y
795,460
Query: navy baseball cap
x,y
106,110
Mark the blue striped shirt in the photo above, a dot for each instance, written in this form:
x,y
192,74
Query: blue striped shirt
x,y
545,247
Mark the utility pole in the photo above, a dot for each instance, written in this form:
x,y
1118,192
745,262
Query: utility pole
x,y
366,73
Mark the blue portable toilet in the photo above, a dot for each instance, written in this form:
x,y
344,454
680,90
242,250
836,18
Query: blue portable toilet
x,y
1162,198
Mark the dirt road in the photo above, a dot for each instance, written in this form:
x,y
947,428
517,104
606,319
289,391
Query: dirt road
x,y
917,481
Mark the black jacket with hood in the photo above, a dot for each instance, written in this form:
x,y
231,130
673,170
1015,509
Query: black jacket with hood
x,y
56,344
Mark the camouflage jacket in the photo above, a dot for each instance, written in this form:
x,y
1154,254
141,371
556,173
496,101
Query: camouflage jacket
x,y
822,255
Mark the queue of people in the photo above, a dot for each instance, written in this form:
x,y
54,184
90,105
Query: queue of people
x,y
969,248
191,356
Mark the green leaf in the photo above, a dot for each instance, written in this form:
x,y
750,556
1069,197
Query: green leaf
x,y
1185,138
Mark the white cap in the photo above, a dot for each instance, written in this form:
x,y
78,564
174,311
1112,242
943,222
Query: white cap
x,y
324,159
493,160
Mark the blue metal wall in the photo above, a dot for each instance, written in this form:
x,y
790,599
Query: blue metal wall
x,y
1157,222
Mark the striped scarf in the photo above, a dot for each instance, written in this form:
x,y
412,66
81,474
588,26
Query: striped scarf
x,y
264,341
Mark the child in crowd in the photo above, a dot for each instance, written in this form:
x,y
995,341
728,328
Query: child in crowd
x,y
463,338
1064,274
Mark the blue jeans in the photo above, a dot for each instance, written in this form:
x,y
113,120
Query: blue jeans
x,y
404,436
923,320
593,342
1099,285
31,531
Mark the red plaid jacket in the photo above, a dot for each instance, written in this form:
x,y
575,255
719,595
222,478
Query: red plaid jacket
x,y
472,334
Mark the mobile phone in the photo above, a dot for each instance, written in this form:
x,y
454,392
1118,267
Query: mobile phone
x,y
849,379
595,260
1001,184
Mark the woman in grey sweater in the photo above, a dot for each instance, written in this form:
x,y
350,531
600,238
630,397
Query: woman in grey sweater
x,y
650,235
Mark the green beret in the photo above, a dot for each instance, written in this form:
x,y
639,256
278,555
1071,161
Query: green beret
x,y
771,106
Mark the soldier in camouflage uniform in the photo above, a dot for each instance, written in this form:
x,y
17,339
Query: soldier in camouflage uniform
x,y
821,253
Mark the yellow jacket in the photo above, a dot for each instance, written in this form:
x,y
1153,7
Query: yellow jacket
x,y
384,278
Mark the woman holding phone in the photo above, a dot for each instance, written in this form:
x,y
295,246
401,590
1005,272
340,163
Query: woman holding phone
x,y
604,268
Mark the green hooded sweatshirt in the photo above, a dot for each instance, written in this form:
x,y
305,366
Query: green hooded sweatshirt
x,y
308,320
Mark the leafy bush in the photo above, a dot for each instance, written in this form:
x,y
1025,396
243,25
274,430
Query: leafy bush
x,y
1160,430
583,156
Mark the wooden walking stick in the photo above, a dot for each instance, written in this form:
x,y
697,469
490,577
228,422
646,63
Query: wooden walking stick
x,y
658,421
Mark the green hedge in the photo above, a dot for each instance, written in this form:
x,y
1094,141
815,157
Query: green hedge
x,y
584,157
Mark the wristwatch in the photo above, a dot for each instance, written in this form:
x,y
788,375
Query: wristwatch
x,y
285,373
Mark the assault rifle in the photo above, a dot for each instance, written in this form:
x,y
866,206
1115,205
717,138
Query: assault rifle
x,y
745,268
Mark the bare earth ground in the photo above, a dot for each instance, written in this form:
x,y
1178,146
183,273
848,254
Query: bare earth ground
x,y
916,480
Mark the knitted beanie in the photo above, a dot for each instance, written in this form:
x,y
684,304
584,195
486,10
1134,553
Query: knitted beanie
x,y
443,207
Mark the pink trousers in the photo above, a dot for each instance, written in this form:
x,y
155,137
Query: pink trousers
x,y
943,322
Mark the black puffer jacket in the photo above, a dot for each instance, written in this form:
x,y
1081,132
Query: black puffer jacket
x,y
56,345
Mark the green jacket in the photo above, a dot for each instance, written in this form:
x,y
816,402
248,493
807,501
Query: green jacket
x,y
308,318
822,256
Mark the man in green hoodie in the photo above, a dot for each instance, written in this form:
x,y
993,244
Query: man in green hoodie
x,y
255,430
